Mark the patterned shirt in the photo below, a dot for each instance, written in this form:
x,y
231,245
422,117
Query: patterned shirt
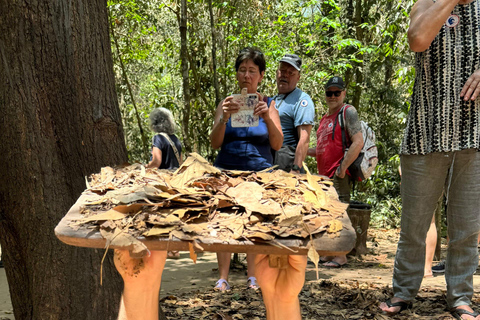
x,y
438,119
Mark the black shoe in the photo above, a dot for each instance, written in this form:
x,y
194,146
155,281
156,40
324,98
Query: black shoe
x,y
1,264
439,268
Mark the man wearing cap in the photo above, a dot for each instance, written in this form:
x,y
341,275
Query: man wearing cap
x,y
332,160
297,113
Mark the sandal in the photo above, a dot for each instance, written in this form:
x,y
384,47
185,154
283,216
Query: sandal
x,y
458,312
253,283
404,305
333,264
173,255
222,285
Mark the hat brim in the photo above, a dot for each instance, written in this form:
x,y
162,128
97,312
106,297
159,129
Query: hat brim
x,y
335,85
290,62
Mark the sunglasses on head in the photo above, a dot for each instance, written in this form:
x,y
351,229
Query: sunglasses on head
x,y
331,93
244,50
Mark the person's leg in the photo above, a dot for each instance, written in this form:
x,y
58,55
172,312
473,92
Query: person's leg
x,y
431,243
342,186
251,280
251,265
423,179
223,259
463,227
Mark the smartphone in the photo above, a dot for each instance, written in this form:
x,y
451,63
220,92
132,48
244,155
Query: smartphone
x,y
244,117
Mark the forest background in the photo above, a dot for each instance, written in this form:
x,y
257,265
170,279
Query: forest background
x,y
181,55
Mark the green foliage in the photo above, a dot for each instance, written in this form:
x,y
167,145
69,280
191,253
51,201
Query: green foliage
x,y
365,43
381,191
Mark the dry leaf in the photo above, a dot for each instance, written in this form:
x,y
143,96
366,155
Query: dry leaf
x,y
334,226
109,215
193,254
159,231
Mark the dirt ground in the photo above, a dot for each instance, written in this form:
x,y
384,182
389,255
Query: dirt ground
x,y
352,292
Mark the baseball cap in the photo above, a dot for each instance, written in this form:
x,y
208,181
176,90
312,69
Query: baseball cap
x,y
335,82
293,60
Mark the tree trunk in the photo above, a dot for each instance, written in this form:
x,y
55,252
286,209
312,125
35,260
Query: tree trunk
x,y
185,74
60,122
358,65
360,219
214,54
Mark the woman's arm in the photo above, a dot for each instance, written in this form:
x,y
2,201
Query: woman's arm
x,y
224,110
272,119
426,19
156,158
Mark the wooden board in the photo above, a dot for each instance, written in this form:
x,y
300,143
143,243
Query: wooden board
x,y
325,245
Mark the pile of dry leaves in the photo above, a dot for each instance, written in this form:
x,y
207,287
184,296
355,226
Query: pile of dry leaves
x,y
200,202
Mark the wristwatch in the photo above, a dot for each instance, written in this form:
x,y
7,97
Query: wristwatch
x,y
296,168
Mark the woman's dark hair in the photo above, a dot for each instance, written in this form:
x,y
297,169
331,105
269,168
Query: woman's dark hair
x,y
161,120
251,53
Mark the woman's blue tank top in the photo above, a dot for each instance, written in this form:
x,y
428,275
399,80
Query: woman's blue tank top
x,y
246,148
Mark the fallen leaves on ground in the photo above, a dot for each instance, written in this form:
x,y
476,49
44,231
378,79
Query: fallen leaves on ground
x,y
319,300
343,296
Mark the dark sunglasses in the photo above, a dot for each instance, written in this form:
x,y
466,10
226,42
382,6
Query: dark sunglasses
x,y
331,93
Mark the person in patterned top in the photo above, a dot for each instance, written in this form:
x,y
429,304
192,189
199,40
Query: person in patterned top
x,y
440,149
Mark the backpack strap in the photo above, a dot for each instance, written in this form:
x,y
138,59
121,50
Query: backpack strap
x,y
342,127
175,150
341,115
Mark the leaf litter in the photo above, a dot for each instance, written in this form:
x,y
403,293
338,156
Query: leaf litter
x,y
199,202
345,296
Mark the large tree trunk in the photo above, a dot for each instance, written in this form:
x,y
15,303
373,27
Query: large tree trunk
x,y
60,122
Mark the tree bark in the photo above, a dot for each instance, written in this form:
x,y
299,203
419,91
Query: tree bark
x,y
358,65
182,21
60,122
214,54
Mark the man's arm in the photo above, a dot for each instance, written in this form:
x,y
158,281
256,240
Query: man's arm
x,y
354,131
426,19
280,288
302,146
142,278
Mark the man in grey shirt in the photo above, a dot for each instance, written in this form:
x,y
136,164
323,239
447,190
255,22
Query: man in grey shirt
x,y
297,113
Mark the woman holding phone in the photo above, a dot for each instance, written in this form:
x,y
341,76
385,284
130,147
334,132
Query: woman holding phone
x,y
245,148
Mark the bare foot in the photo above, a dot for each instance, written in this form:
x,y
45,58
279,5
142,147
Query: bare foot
x,y
326,258
427,274
336,262
395,307
466,316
